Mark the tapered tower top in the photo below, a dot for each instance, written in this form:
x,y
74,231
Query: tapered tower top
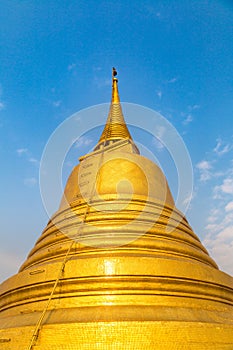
x,y
115,128
115,94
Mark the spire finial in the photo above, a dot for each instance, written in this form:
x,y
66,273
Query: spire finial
x,y
115,94
114,72
115,128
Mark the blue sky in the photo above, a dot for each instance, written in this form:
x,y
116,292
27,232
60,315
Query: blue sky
x,y
172,56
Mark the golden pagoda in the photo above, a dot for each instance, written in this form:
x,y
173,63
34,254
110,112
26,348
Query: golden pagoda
x,y
117,267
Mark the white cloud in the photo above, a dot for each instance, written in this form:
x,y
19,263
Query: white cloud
x,y
218,220
229,206
34,161
222,252
219,223
204,165
27,154
193,107
219,241
83,141
21,151
150,10
213,217
97,68
157,141
189,198
100,82
158,144
172,80
188,119
30,182
71,66
160,131
226,187
159,94
204,168
221,149
219,244
212,227
2,106
57,103
226,234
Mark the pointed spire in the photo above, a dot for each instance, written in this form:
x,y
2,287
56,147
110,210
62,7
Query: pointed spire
x,y
115,94
115,127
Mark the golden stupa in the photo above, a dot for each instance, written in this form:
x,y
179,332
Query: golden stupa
x,y
118,267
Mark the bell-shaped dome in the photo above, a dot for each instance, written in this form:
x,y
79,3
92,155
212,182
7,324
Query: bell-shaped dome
x,y
118,266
